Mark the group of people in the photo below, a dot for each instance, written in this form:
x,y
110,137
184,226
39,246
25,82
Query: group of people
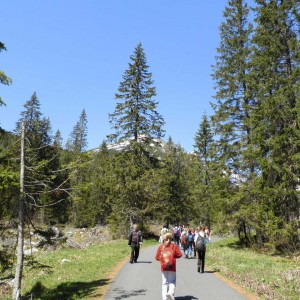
x,y
186,238
192,241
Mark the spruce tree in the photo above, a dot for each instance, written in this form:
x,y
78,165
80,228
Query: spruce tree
x,y
42,161
135,116
203,196
232,110
204,146
276,134
4,79
78,138
101,185
57,140
174,185
233,97
37,127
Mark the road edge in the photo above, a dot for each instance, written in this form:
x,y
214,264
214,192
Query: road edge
x,y
112,275
240,289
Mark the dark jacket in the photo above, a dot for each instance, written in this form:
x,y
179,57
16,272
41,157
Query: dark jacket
x,y
139,238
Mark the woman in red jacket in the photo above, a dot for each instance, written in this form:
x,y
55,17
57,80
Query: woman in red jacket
x,y
167,254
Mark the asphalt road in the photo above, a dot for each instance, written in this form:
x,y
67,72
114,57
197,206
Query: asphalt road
x,y
143,281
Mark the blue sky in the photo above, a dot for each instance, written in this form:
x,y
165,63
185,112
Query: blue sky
x,y
74,53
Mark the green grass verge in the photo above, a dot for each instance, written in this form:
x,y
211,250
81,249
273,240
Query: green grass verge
x,y
73,273
270,277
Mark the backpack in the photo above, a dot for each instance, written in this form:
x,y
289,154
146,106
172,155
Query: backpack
x,y
183,239
190,238
167,258
200,243
164,231
176,231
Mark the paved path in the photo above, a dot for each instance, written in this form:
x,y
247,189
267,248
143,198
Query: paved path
x,y
143,281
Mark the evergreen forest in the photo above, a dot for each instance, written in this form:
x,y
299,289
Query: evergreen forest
x,y
243,176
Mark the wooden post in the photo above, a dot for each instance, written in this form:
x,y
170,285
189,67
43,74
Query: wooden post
x,y
20,243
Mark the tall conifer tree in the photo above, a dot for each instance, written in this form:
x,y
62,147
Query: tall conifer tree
x,y
37,127
276,120
233,97
205,186
204,146
233,107
78,139
135,115
42,164
57,140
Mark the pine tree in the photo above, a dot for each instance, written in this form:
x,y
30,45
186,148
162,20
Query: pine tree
x,y
78,138
4,79
174,185
37,127
203,190
100,196
276,133
234,99
135,115
204,146
58,140
233,111
42,161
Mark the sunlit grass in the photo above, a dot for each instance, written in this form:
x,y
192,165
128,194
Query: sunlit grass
x,y
271,277
73,273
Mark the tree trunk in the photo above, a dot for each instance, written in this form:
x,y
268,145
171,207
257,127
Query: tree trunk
x,y
245,231
20,254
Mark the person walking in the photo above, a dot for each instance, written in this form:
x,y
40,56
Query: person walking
x,y
183,242
176,235
135,239
194,232
200,245
163,231
207,232
190,241
167,253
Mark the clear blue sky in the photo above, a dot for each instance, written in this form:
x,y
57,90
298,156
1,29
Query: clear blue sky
x,y
74,53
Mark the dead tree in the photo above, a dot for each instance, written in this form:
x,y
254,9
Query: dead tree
x,y
27,197
21,212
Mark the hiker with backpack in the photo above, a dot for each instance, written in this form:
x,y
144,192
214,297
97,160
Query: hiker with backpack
x,y
200,245
176,235
167,253
183,242
190,241
135,239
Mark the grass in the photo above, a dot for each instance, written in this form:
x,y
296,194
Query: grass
x,y
85,273
73,273
270,277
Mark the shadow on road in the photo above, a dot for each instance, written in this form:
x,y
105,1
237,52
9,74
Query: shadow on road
x,y
66,290
144,262
127,294
186,298
211,271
